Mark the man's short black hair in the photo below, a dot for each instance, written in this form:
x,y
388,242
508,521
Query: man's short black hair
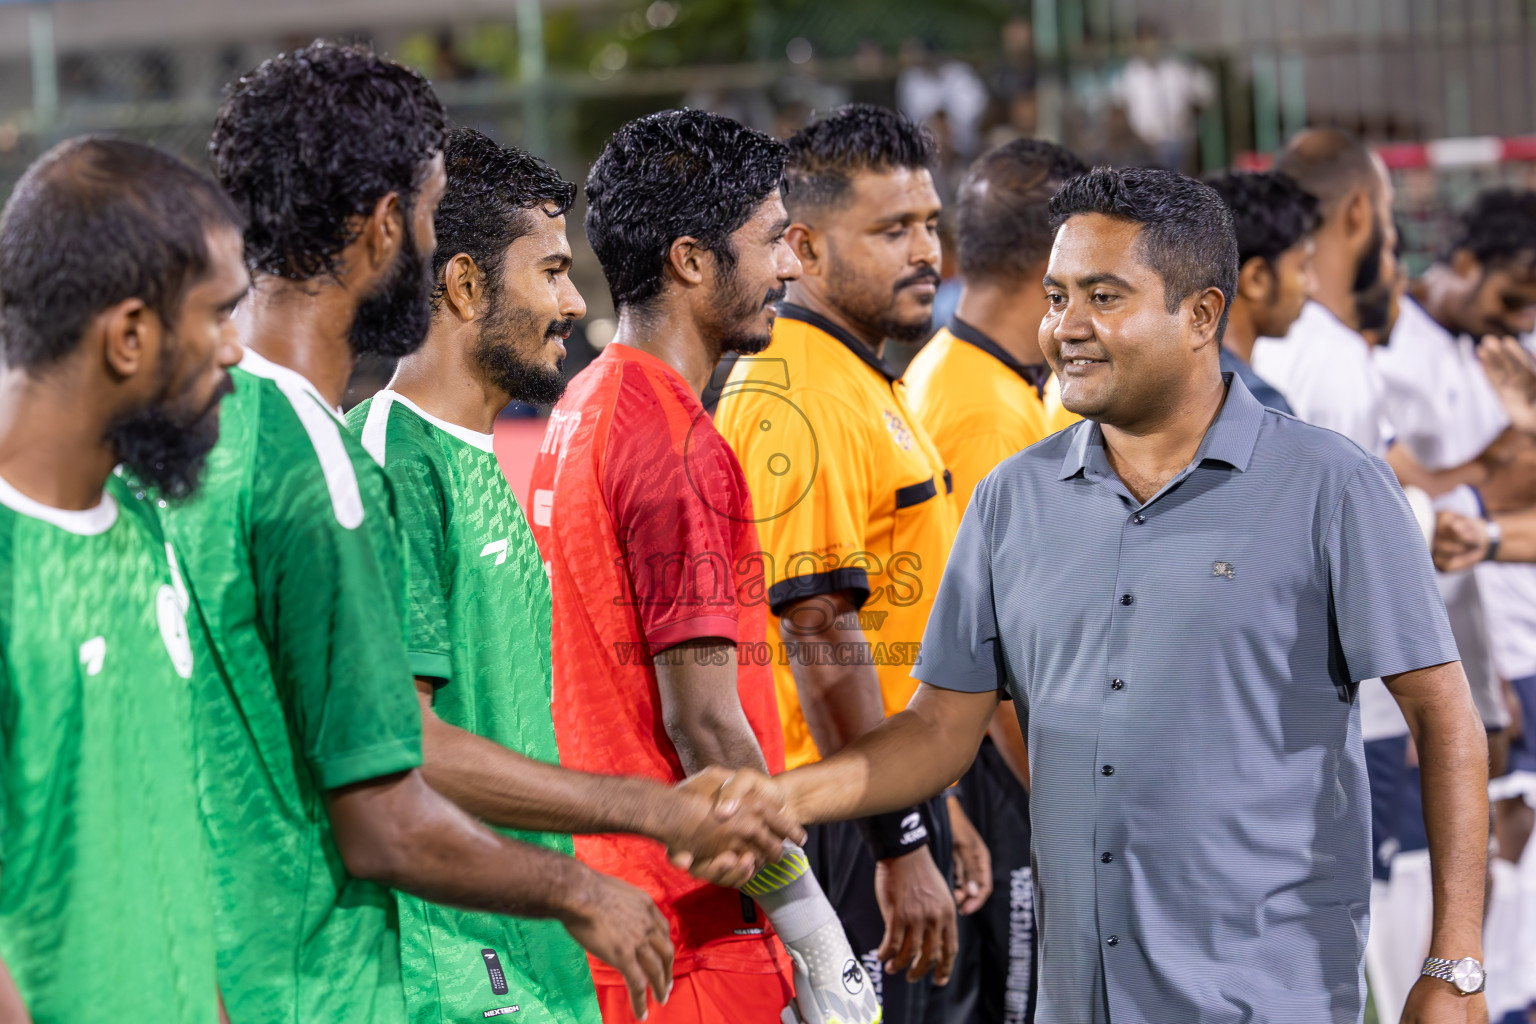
x,y
94,222
1498,229
1329,164
492,193
1186,231
313,139
670,175
1270,212
825,155
1004,220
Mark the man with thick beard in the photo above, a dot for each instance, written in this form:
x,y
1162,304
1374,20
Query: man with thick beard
x,y
853,508
311,730
645,524
479,603
119,267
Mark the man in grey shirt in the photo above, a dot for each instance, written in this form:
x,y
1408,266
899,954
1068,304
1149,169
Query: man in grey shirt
x,y
1181,594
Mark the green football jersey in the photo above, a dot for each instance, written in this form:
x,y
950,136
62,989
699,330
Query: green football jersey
x,y
479,612
106,907
293,561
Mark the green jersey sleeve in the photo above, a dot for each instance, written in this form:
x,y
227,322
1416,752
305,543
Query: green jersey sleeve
x,y
331,593
421,508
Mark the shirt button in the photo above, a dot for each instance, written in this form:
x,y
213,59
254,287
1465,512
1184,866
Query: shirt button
x,y
1106,857
1108,769
1117,684
1126,599
1138,519
1113,940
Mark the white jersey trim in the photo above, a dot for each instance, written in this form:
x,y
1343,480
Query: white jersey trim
x,y
323,424
87,522
374,429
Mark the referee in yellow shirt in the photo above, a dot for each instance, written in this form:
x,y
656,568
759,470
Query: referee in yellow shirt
x,y
978,387
855,520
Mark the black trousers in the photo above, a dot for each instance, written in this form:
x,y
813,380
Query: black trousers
x,y
846,870
994,981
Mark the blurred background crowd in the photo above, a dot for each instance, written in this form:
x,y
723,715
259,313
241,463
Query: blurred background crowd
x,y
1446,88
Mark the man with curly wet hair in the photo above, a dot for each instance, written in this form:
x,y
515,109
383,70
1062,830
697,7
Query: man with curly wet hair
x,y
310,727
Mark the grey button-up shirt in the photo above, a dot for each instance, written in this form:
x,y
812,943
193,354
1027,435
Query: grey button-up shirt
x,y
1185,671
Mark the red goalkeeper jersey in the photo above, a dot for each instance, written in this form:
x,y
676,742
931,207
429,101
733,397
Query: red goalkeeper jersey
x,y
645,523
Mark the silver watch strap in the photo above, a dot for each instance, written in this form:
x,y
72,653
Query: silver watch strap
x,y
1435,967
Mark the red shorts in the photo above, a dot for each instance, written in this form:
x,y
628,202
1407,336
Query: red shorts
x,y
705,996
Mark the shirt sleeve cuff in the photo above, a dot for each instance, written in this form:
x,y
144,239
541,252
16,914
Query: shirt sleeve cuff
x,y
850,578
387,758
433,666
674,633
966,675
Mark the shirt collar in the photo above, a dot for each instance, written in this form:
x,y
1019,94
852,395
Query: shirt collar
x,y
790,311
1230,439
1034,374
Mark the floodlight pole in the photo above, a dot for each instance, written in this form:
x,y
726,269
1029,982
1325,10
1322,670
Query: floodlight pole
x,y
45,71
530,69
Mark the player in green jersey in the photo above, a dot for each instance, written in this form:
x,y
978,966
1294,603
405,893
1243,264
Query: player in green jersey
x,y
479,635
315,804
119,268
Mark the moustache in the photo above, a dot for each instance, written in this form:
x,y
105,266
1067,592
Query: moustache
x,y
925,275
776,295
559,329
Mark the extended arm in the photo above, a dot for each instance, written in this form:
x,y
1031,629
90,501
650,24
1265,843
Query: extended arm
x,y
508,789
398,832
911,756
1453,766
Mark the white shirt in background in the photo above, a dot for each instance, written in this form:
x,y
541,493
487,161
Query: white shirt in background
x,y
1325,370
1446,414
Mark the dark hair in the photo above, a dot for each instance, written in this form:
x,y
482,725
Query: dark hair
x,y
311,140
1270,212
668,175
91,223
492,192
1004,221
1498,229
1186,231
1329,164
825,155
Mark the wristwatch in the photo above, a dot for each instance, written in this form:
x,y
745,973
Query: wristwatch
x,y
1495,534
1466,974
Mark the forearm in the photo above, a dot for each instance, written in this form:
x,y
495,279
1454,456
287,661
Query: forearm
x,y
1518,540
508,789
908,758
1513,487
402,834
1453,772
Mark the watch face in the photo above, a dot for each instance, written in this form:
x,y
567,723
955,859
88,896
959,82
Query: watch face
x,y
1467,975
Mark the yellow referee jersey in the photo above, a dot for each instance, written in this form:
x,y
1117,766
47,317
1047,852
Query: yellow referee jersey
x,y
978,403
1058,416
848,493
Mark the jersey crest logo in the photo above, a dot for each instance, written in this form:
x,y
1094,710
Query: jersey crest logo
x,y
1226,569
899,432
92,654
172,616
497,548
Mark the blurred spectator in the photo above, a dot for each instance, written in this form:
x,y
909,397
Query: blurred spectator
x,y
1161,93
927,88
1013,82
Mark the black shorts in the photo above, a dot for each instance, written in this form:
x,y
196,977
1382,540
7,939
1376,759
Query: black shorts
x,y
846,869
995,978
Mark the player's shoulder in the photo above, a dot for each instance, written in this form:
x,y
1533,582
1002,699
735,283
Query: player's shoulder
x,y
1300,450
304,454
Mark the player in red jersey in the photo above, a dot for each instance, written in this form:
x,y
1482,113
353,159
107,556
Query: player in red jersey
x,y
646,525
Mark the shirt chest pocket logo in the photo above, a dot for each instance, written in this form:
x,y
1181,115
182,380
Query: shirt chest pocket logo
x,y
1224,569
